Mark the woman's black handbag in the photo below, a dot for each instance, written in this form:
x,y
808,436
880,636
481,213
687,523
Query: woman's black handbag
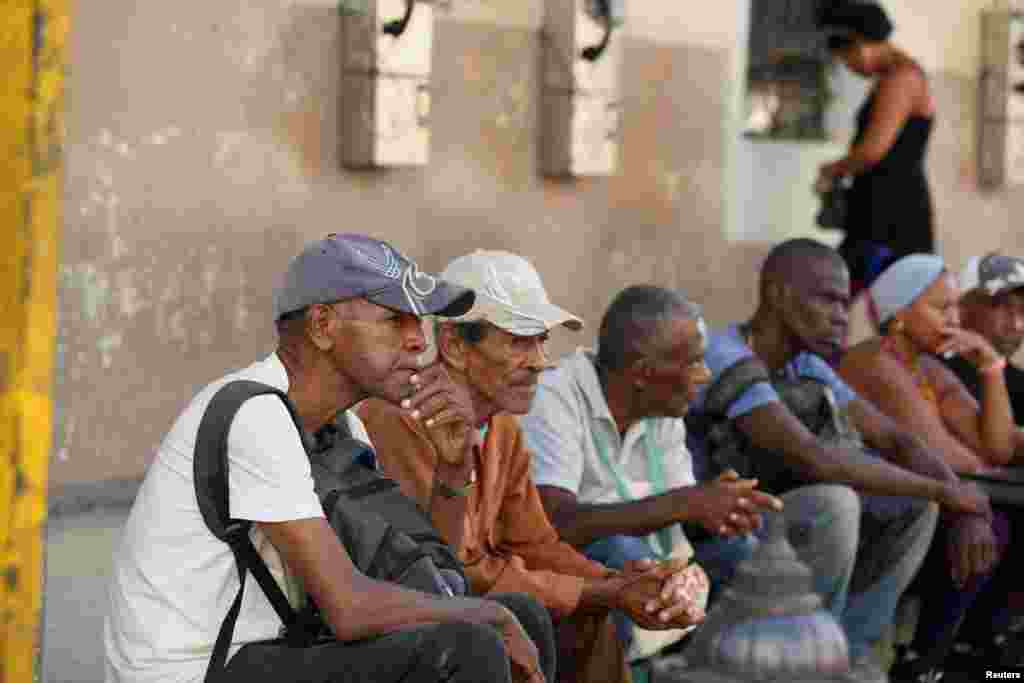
x,y
835,205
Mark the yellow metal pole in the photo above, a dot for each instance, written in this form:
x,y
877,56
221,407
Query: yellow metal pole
x,y
32,61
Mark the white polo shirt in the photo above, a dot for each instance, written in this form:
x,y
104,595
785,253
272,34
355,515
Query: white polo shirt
x,y
576,445
173,581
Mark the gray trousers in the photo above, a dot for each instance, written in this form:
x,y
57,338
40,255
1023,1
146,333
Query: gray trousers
x,y
863,551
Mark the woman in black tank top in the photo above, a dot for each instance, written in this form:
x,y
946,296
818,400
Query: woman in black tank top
x,y
890,208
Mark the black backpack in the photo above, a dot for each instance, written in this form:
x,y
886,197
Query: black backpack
x,y
727,447
387,535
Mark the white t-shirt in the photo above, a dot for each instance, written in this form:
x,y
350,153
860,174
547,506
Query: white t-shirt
x,y
173,581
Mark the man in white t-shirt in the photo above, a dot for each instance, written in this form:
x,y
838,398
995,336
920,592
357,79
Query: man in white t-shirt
x,y
348,316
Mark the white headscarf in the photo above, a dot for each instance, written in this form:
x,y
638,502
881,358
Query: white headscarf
x,y
901,283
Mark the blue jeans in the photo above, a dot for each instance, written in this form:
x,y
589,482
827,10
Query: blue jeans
x,y
863,552
859,579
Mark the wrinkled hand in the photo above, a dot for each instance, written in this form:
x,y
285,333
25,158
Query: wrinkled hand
x,y
971,345
972,548
446,410
522,652
966,498
731,506
682,594
663,596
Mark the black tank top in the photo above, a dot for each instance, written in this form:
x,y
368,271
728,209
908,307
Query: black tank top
x,y
890,203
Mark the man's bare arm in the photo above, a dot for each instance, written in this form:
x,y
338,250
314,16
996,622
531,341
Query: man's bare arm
x,y
883,433
727,506
773,428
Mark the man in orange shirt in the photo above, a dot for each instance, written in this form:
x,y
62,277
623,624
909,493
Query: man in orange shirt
x,y
470,468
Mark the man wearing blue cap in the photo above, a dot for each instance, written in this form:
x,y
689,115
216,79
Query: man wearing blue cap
x,y
776,411
348,317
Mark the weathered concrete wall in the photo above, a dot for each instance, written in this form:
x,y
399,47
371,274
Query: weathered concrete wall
x,y
203,150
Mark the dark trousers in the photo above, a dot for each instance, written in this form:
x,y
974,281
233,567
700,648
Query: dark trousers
x,y
455,652
977,606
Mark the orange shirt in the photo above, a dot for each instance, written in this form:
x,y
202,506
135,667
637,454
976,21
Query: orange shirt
x,y
508,543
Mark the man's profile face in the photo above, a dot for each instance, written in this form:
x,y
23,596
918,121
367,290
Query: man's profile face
x,y
677,374
817,302
504,368
377,348
999,318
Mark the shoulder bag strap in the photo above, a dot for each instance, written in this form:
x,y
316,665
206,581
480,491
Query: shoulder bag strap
x,y
210,474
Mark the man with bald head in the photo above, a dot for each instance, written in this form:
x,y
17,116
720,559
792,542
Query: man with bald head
x,y
775,410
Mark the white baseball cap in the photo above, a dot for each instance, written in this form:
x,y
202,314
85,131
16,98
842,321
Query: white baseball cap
x,y
509,293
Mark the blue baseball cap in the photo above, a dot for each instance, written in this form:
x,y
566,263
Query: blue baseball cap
x,y
348,266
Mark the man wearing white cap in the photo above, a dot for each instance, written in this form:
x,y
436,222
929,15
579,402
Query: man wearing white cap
x,y
471,471
992,304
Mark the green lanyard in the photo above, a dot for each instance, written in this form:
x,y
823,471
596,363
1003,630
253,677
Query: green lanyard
x,y
660,541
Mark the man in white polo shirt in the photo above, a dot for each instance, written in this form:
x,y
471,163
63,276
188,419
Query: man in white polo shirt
x,y
609,446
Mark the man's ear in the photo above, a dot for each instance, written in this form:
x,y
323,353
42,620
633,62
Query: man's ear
x,y
319,320
775,292
639,373
451,347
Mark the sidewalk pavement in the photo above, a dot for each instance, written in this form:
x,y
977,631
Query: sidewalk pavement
x,y
79,549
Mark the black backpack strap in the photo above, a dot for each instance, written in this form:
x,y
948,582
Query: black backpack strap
x,y
227,628
210,474
732,384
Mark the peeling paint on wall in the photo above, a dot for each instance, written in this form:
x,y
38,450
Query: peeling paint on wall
x,y
90,286
249,160
108,346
